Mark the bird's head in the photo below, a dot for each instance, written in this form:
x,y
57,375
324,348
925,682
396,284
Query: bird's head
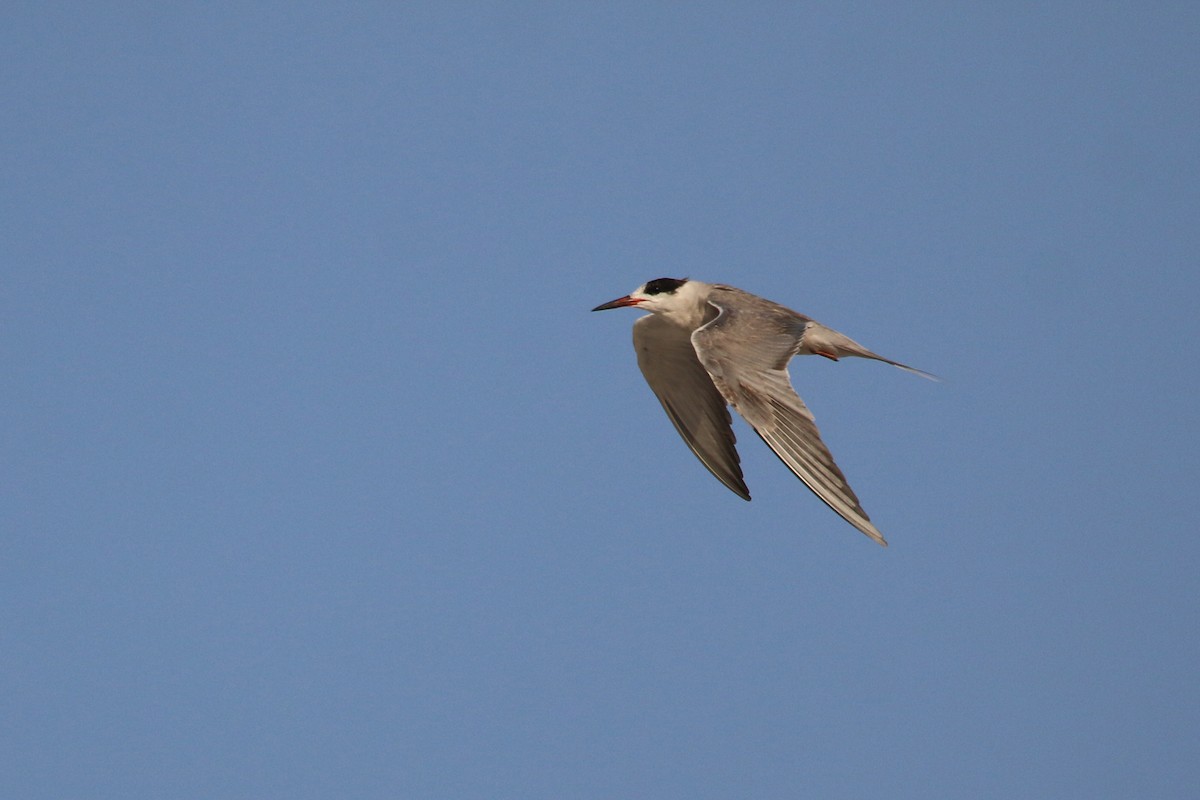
x,y
661,295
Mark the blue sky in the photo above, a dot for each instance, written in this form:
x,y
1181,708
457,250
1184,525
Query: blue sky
x,y
320,480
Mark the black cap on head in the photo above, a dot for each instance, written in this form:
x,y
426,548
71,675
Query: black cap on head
x,y
664,285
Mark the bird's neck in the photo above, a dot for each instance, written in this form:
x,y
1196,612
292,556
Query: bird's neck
x,y
690,309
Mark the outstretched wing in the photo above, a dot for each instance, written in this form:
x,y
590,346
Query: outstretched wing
x,y
746,353
668,361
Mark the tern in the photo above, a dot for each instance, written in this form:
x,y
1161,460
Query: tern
x,y
706,346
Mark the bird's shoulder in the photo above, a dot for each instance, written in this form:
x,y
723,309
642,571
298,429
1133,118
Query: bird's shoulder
x,y
752,315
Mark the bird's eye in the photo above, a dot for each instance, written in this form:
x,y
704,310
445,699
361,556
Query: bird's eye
x,y
664,285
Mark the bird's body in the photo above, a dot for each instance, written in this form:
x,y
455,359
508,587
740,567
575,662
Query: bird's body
x,y
708,345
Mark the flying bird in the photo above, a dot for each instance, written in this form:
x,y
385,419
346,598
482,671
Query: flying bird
x,y
706,345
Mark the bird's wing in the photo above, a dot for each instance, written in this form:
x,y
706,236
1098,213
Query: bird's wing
x,y
745,351
668,362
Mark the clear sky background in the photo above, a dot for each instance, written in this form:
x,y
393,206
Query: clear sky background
x,y
320,480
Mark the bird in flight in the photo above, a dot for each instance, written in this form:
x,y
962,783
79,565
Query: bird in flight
x,y
706,345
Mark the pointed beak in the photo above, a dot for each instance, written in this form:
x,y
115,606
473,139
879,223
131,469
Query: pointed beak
x,y
620,302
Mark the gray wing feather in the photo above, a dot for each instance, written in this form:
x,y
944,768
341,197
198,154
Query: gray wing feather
x,y
669,363
745,351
